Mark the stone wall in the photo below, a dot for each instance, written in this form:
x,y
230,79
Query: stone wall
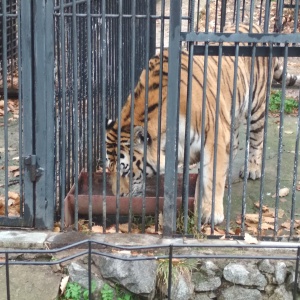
x,y
210,278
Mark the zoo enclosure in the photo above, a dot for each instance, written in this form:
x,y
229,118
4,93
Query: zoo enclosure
x,y
87,58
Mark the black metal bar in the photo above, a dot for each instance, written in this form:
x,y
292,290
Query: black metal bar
x,y
162,35
264,151
186,163
120,95
216,139
247,146
146,115
90,270
76,129
201,169
295,174
4,71
264,51
295,287
132,74
62,144
170,271
170,192
280,145
223,15
216,37
89,111
104,107
7,276
232,134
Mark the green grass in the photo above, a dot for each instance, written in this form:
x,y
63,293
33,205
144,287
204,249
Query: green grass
x,y
75,291
183,267
290,104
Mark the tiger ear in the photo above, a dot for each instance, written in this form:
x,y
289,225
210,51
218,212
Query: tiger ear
x,y
109,123
139,137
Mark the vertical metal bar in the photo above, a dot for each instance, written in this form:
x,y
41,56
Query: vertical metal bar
x,y
4,70
120,95
89,110
90,270
295,173
170,271
296,14
223,15
280,146
249,118
216,15
75,125
162,35
26,44
260,11
198,15
232,125
201,169
187,127
133,44
185,186
146,113
44,111
243,11
295,288
104,107
263,165
62,145
7,276
21,127
251,15
216,139
203,117
170,192
279,13
267,17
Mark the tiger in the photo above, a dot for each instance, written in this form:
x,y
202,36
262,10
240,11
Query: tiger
x,y
259,94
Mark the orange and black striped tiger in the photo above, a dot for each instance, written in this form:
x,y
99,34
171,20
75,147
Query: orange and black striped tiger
x,y
224,119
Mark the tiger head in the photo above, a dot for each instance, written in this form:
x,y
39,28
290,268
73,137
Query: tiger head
x,y
125,152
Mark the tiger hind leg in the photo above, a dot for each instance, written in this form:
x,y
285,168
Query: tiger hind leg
x,y
256,143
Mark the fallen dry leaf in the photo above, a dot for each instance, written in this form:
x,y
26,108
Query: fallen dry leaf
x,y
97,229
63,284
250,239
237,231
150,229
282,192
271,213
56,229
160,220
264,207
13,168
286,224
111,229
123,228
10,202
289,132
13,195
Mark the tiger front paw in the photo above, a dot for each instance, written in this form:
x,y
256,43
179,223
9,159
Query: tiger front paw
x,y
254,171
124,186
206,215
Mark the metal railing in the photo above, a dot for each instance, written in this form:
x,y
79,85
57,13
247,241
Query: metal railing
x,y
92,248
